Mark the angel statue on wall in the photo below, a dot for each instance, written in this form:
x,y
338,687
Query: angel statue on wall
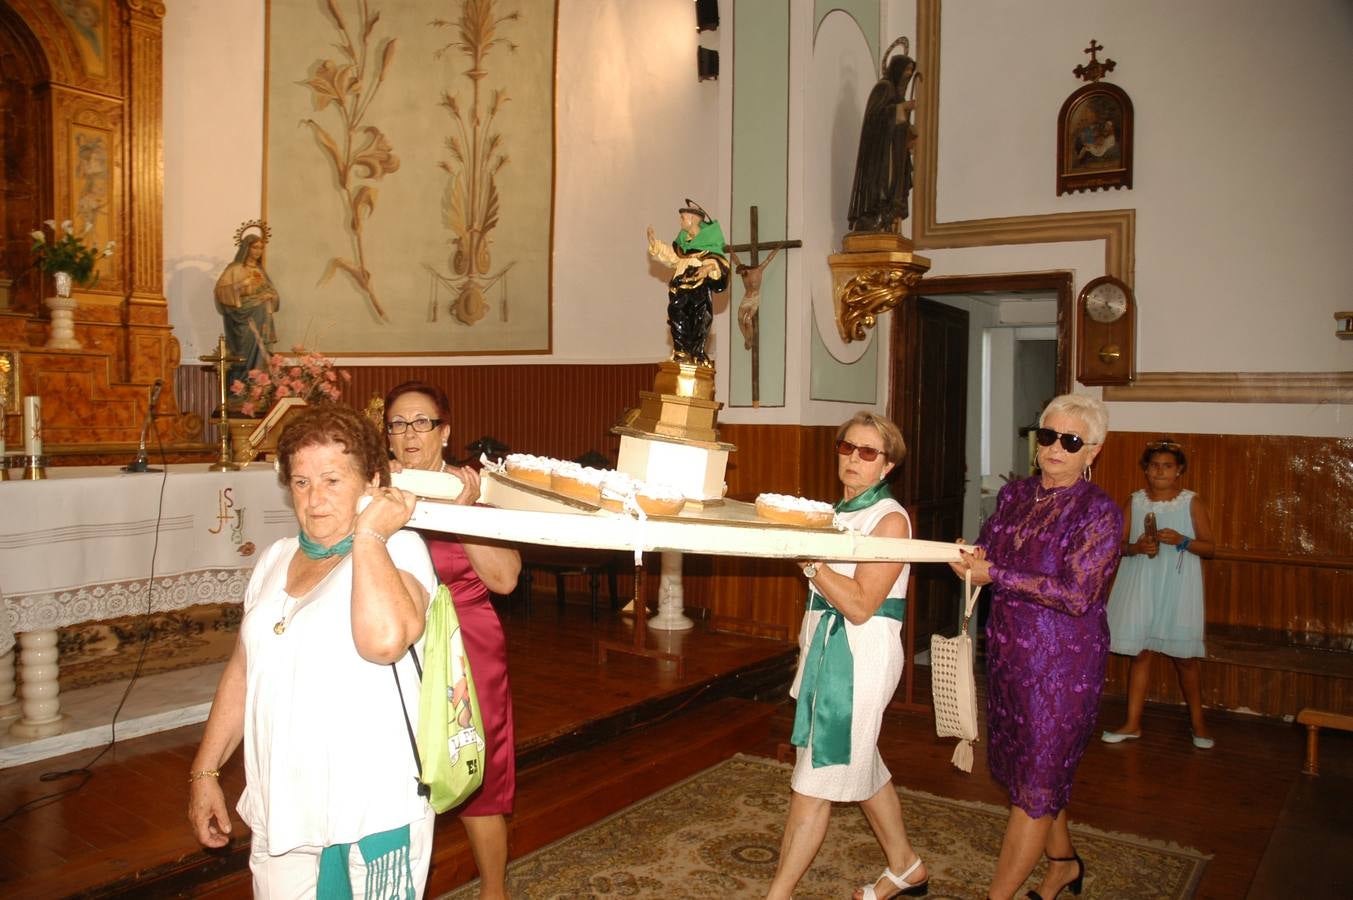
x,y
883,166
247,300
698,267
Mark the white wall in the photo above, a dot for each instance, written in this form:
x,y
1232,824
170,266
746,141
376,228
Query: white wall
x,y
213,153
636,133
1241,185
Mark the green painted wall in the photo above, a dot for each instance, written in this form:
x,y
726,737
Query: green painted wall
x,y
830,379
760,179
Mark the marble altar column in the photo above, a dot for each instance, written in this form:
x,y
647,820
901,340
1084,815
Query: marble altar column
x,y
9,704
39,691
670,598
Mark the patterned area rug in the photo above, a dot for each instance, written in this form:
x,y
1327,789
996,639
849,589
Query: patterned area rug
x,y
718,835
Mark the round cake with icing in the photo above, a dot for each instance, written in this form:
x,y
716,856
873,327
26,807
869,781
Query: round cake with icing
x,y
616,488
788,510
530,469
657,499
579,482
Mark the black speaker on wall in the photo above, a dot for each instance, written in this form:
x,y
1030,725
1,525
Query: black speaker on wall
x,y
706,15
707,62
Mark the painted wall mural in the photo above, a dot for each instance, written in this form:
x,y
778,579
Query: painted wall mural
x,y
88,21
409,174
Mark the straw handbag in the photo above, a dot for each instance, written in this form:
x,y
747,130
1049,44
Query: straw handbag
x,y
952,684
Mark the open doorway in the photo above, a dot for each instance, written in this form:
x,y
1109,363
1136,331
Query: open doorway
x,y
974,360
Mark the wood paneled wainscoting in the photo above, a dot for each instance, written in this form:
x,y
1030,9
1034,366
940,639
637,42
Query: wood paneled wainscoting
x,y
1279,591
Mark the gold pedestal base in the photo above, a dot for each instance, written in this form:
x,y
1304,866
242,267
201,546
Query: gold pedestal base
x,y
872,274
681,405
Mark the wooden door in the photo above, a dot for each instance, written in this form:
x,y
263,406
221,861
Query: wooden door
x,y
930,390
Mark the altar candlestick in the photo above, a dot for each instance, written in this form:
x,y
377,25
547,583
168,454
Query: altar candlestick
x,y
32,426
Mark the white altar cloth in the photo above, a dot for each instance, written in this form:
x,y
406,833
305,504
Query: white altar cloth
x,y
78,547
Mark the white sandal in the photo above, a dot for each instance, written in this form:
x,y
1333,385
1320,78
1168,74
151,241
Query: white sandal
x,y
904,887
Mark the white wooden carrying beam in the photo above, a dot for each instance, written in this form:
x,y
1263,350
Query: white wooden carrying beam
x,y
523,514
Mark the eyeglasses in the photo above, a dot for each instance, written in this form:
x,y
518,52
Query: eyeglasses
x,y
1071,443
867,454
422,424
1163,445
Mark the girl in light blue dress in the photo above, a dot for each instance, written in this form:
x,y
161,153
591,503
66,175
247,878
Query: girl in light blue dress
x,y
1156,605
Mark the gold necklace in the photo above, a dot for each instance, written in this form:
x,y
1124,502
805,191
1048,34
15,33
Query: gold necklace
x,y
288,611
1045,516
281,625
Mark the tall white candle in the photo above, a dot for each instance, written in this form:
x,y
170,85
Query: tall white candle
x,y
32,426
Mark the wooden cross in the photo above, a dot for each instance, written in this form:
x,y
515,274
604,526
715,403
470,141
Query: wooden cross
x,y
751,280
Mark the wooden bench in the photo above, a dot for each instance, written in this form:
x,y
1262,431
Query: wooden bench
x,y
1314,720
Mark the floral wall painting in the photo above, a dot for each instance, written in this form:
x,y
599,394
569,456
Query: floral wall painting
x,y
409,174
88,21
347,87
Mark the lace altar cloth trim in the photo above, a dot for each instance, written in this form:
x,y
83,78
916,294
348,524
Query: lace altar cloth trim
x,y
109,600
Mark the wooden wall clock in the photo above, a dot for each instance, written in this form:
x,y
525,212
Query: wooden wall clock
x,y
1106,333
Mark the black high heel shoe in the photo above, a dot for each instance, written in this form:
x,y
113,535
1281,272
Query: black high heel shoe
x,y
1076,884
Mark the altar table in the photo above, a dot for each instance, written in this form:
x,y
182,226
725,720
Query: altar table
x,y
80,547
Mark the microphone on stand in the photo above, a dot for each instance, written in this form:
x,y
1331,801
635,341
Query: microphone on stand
x,y
140,463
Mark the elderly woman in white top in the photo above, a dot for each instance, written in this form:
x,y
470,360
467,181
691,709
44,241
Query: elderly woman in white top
x,y
850,660
331,791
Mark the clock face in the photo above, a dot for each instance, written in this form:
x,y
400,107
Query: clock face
x,y
1106,303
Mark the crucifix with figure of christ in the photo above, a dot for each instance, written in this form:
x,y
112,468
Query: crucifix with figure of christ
x,y
749,316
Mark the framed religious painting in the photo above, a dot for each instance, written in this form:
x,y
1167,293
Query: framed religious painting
x,y
1094,140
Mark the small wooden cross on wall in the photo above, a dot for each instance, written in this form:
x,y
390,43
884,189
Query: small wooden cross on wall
x,y
1096,69
749,315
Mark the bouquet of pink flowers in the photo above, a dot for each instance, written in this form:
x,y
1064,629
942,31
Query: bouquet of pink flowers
x,y
308,375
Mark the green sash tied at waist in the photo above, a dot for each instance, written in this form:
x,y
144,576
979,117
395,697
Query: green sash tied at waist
x,y
827,691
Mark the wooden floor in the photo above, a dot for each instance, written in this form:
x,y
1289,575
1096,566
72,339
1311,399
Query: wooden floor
x,y
593,739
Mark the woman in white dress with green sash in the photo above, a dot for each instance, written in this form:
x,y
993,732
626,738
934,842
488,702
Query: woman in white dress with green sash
x,y
850,661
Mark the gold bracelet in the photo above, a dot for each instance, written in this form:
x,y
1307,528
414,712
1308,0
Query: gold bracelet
x,y
205,773
371,531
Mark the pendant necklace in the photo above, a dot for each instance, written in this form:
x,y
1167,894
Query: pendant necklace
x,y
1036,518
288,610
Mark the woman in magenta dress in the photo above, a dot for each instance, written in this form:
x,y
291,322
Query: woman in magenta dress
x,y
417,425
1049,551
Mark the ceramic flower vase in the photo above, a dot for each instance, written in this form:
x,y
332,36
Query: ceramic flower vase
x,y
63,315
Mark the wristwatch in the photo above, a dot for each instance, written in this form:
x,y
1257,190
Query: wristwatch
x,y
810,570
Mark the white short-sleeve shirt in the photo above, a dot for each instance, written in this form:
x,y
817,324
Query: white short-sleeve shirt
x,y
326,750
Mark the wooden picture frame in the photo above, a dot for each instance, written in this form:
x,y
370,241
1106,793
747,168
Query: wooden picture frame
x,y
1094,140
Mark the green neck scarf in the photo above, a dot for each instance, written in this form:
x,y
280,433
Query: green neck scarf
x,y
316,550
709,239
865,499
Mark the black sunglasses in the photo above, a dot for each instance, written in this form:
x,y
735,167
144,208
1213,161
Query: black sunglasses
x,y
867,454
1071,443
1163,445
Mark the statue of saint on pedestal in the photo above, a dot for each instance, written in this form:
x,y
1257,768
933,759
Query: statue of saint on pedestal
x,y
698,267
883,166
247,300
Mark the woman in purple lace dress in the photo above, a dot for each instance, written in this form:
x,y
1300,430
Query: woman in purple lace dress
x,y
1049,552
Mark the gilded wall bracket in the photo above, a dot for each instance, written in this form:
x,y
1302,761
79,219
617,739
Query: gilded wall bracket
x,y
873,273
